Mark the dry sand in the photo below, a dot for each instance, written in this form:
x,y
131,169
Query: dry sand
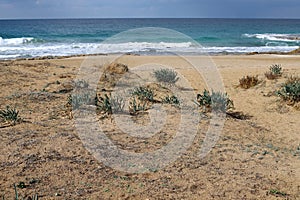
x,y
252,159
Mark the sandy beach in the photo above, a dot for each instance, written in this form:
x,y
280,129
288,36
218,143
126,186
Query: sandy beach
x,y
254,158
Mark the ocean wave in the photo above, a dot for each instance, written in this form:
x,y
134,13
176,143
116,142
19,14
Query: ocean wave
x,y
15,41
262,49
275,37
66,49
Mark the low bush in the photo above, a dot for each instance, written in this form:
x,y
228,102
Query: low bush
x,y
216,101
82,98
290,90
109,104
274,72
136,106
248,82
143,94
10,114
166,76
173,100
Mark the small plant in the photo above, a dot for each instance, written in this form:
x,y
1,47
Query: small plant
x,y
274,72
21,185
277,192
9,114
78,99
108,104
215,101
136,106
17,197
81,84
276,69
290,90
248,82
143,94
166,76
173,100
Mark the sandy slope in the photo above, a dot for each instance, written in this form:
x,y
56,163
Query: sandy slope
x,y
251,158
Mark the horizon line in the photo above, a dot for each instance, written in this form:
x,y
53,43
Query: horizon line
x,y
76,18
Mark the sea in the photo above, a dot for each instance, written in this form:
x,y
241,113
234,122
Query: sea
x,y
31,38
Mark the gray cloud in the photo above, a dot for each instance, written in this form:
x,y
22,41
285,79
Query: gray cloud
x,y
149,8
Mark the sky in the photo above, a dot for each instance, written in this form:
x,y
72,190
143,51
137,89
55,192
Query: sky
x,y
32,9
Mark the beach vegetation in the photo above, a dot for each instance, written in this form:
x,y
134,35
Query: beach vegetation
x,y
166,76
248,81
275,71
143,93
277,192
136,106
76,100
109,104
172,100
10,114
214,101
290,90
141,99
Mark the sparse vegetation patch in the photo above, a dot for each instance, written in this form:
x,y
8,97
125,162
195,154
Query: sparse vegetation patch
x,y
248,82
274,72
290,91
166,76
9,115
214,101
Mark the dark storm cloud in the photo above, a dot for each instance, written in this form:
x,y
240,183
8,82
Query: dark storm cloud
x,y
149,8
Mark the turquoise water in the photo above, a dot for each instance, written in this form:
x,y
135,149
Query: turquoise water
x,y
32,38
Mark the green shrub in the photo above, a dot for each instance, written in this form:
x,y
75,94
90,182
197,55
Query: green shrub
x,y
274,72
136,106
173,100
9,114
166,76
277,192
216,101
109,104
276,69
290,90
248,82
143,94
82,98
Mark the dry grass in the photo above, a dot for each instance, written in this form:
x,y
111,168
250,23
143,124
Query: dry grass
x,y
248,82
275,71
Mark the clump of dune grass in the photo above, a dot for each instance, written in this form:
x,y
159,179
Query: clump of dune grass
x,y
214,101
275,71
143,93
172,100
277,192
76,100
141,100
166,76
108,104
10,115
290,90
136,106
248,81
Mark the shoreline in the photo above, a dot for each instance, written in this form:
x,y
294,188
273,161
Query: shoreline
x,y
294,52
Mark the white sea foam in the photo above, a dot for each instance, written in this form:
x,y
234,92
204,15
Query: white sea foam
x,y
65,49
275,37
15,41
